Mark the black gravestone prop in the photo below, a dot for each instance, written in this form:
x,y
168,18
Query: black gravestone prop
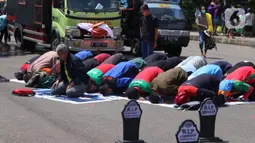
x,y
131,116
207,115
187,133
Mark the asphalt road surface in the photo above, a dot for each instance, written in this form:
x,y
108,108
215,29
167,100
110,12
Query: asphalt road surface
x,y
33,120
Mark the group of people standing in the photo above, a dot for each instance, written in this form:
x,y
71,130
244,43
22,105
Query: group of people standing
x,y
210,19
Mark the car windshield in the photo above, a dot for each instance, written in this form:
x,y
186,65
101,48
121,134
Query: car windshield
x,y
93,5
168,14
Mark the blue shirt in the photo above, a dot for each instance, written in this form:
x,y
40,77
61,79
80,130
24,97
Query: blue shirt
x,y
226,85
124,72
3,22
83,55
208,69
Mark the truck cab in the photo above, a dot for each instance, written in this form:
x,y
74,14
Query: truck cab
x,y
173,28
48,23
88,11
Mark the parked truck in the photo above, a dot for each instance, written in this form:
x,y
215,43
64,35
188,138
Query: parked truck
x,y
48,23
173,27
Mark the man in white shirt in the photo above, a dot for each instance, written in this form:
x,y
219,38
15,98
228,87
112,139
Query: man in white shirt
x,y
249,17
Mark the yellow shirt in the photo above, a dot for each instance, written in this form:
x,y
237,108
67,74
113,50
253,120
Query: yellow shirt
x,y
209,22
67,75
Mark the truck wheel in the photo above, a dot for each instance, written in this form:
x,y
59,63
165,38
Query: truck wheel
x,y
55,40
174,51
136,47
18,36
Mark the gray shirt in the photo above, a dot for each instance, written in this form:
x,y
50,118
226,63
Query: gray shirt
x,y
201,19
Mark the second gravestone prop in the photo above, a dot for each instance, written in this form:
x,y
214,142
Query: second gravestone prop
x,y
207,115
131,116
187,133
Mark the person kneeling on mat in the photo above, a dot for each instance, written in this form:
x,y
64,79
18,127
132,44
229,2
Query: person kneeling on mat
x,y
240,82
196,61
210,69
166,84
73,78
140,86
23,69
238,65
96,77
155,57
224,65
115,59
165,64
96,74
116,80
45,61
84,55
94,62
198,89
139,62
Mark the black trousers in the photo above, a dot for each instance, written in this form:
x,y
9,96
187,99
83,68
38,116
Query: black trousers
x,y
4,33
202,94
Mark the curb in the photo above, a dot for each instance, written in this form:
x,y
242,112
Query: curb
x,y
237,41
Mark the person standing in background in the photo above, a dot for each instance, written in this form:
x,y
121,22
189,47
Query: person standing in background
x,y
5,31
216,17
148,31
249,18
201,21
211,9
223,27
197,12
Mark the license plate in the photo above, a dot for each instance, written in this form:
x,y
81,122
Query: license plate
x,y
172,38
98,44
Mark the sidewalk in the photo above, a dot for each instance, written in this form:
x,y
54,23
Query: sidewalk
x,y
243,41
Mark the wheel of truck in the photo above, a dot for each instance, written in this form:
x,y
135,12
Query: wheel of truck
x,y
174,51
18,36
21,43
55,40
135,47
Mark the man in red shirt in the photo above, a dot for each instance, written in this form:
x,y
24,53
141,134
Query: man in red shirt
x,y
141,85
198,88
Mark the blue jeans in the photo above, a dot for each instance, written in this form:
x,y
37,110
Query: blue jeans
x,y
223,27
147,48
201,39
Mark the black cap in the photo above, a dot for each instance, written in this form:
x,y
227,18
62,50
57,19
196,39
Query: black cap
x,y
154,98
145,7
105,90
132,93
